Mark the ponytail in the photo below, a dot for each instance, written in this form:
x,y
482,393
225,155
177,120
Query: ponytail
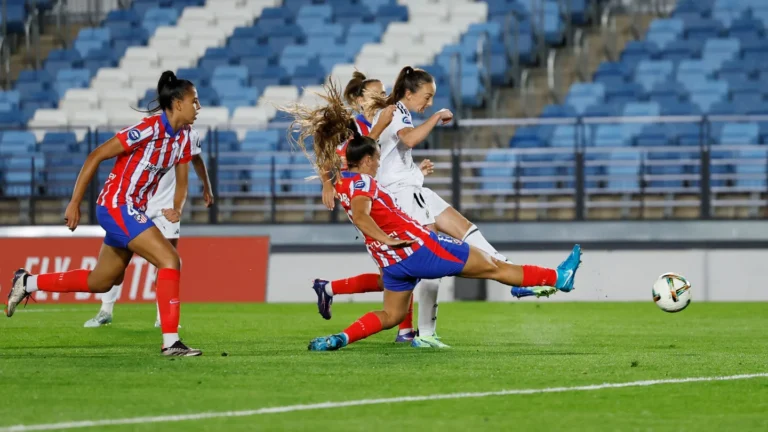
x,y
356,87
329,125
409,79
169,89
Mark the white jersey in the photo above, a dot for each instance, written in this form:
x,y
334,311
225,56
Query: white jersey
x,y
166,188
397,168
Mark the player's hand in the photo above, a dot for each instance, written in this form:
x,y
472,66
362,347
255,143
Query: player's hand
x,y
427,167
445,116
395,243
208,197
72,215
172,215
387,114
329,195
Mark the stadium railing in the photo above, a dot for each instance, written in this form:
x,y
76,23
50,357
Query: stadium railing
x,y
698,167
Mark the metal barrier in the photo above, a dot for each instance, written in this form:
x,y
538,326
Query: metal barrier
x,y
577,178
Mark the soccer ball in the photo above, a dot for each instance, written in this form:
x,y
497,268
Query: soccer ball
x,y
672,292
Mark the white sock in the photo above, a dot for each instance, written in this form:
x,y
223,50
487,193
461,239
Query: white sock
x,y
157,306
107,307
109,298
474,237
31,284
328,289
428,306
169,339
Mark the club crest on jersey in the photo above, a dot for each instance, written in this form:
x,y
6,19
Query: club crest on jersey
x,y
360,184
406,120
140,218
134,134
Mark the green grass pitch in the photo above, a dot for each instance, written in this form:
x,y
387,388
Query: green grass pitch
x,y
53,370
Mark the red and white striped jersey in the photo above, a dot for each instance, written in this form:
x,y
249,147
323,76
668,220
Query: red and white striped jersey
x,y
152,148
387,215
364,128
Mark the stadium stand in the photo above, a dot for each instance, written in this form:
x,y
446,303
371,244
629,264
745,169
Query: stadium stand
x,y
247,58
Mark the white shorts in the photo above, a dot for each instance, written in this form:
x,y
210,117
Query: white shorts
x,y
169,229
420,203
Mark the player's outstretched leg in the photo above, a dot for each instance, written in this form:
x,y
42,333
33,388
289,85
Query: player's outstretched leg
x,y
104,317
325,290
395,309
481,266
566,274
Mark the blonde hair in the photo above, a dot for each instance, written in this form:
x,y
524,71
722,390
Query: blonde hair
x,y
329,125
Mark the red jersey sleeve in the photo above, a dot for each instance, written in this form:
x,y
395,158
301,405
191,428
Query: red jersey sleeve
x,y
365,186
136,135
191,148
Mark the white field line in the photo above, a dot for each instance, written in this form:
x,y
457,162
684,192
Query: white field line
x,y
331,405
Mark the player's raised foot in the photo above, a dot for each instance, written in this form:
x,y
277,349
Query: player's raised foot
x,y
533,291
405,337
428,342
101,318
328,343
324,301
18,292
178,349
566,271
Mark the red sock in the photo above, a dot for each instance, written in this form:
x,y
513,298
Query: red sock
x,y
534,276
168,299
71,281
367,325
359,284
407,323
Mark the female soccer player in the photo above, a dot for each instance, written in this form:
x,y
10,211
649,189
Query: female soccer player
x,y
145,152
354,94
414,91
404,250
161,209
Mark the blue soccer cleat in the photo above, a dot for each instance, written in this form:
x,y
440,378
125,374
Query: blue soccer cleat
x,y
408,337
533,291
328,343
324,301
566,271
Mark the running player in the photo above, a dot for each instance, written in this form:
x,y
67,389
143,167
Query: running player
x,y
160,209
402,248
145,152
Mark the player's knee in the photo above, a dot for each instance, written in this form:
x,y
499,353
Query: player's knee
x,y
393,319
171,261
119,280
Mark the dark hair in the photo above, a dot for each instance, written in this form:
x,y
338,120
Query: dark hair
x,y
329,125
359,147
356,86
169,89
409,79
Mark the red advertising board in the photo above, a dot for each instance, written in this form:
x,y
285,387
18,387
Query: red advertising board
x,y
214,269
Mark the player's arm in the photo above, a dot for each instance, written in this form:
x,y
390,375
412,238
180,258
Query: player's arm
x,y
385,119
198,163
182,186
108,150
361,214
413,136
329,192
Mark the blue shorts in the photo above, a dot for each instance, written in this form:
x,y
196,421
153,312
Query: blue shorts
x,y
122,224
442,256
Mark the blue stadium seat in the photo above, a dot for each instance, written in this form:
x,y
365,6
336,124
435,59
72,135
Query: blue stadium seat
x,y
501,177
623,171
